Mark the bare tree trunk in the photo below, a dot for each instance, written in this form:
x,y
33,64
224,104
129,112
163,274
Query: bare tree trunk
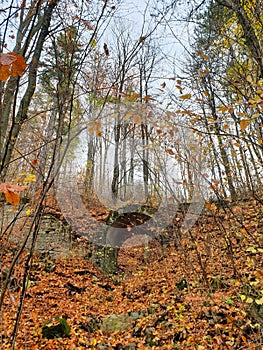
x,y
89,177
21,116
116,167
124,163
145,158
131,170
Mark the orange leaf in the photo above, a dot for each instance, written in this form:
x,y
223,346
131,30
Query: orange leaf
x,y
186,96
243,231
204,57
11,192
148,98
18,66
12,198
169,151
213,207
244,339
4,72
244,124
11,64
133,97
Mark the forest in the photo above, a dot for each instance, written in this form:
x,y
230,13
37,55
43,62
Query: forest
x,y
131,162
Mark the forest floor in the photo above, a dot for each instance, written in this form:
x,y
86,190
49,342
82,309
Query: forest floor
x,y
206,292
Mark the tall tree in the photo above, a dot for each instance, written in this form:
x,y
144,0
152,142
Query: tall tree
x,y
33,30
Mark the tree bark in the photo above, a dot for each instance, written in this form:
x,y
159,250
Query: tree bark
x,y
21,116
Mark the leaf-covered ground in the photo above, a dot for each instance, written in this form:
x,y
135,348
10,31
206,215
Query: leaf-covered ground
x,y
205,293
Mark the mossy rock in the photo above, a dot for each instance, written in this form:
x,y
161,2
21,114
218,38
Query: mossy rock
x,y
115,323
60,330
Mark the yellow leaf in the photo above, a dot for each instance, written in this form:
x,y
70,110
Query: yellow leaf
x,y
93,43
259,301
244,124
30,178
249,300
186,96
28,211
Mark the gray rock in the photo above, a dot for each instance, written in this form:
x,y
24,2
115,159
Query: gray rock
x,y
114,323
